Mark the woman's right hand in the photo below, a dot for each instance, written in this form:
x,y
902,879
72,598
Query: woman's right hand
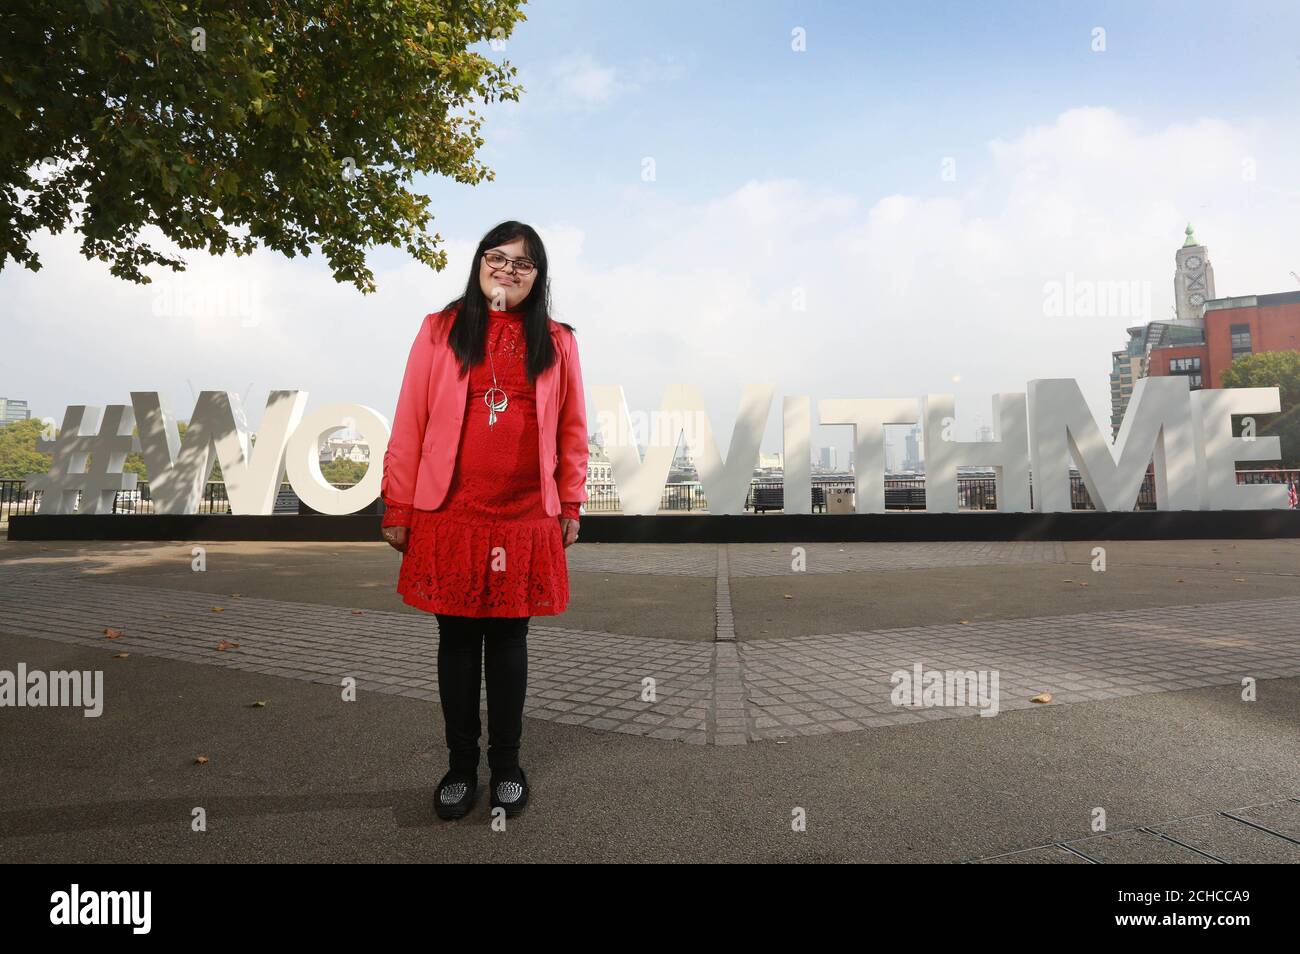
x,y
396,537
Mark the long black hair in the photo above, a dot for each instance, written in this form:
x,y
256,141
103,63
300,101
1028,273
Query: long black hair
x,y
468,335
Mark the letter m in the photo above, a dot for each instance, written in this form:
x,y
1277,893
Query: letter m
x,y
1157,428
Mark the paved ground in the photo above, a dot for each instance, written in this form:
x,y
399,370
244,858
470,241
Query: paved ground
x,y
771,671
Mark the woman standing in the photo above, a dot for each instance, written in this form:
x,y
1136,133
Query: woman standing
x,y
483,477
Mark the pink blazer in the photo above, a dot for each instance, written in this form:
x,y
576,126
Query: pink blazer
x,y
421,454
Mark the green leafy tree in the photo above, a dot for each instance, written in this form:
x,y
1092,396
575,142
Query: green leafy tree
x,y
342,472
1268,369
18,454
1286,428
1272,369
134,463
228,124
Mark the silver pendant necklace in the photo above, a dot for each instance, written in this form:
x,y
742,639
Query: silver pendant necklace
x,y
494,404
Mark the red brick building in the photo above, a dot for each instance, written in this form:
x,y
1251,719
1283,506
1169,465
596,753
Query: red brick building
x,y
1232,327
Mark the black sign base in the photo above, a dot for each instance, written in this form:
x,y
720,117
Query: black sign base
x,y
908,526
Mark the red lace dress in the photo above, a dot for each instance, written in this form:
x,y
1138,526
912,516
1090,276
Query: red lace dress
x,y
490,549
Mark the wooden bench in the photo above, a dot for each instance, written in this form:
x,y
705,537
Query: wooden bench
x,y
768,497
904,498
773,498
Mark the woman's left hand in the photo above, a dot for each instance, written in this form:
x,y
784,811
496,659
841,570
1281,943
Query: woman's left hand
x,y
570,529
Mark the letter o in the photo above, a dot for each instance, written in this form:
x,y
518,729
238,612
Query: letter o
x,y
302,458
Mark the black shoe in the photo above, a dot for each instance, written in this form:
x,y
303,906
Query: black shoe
x,y
510,790
455,794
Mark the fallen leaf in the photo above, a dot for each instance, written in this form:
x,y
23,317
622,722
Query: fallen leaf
x,y
788,596
1067,581
1179,580
120,655
964,622
356,612
1083,584
1042,697
218,609
112,633
259,704
224,645
200,760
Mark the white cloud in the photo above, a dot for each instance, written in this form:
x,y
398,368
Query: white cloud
x,y
579,81
910,292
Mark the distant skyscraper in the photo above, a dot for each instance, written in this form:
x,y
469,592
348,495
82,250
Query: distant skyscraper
x,y
12,410
911,445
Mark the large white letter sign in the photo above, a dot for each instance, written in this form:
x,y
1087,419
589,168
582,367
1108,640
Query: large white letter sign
x,y
86,430
251,470
173,475
302,460
725,485
1188,436
1217,451
641,484
1007,453
796,454
869,417
1157,427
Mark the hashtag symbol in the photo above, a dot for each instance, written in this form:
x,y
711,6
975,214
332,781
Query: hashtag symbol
x,y
89,433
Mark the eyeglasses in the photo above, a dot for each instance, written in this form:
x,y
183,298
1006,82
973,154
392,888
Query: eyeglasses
x,y
522,266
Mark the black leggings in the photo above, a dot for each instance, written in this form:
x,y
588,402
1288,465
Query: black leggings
x,y
461,643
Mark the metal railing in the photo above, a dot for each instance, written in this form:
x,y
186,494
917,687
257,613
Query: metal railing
x,y
16,501
973,493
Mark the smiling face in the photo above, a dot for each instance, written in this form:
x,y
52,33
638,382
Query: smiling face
x,y
504,284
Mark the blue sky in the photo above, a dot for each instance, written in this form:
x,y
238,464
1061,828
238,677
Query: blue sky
x,y
776,172
883,93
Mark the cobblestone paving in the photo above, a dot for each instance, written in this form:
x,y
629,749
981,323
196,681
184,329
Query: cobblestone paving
x,y
1268,833
842,681
730,692
766,559
661,559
